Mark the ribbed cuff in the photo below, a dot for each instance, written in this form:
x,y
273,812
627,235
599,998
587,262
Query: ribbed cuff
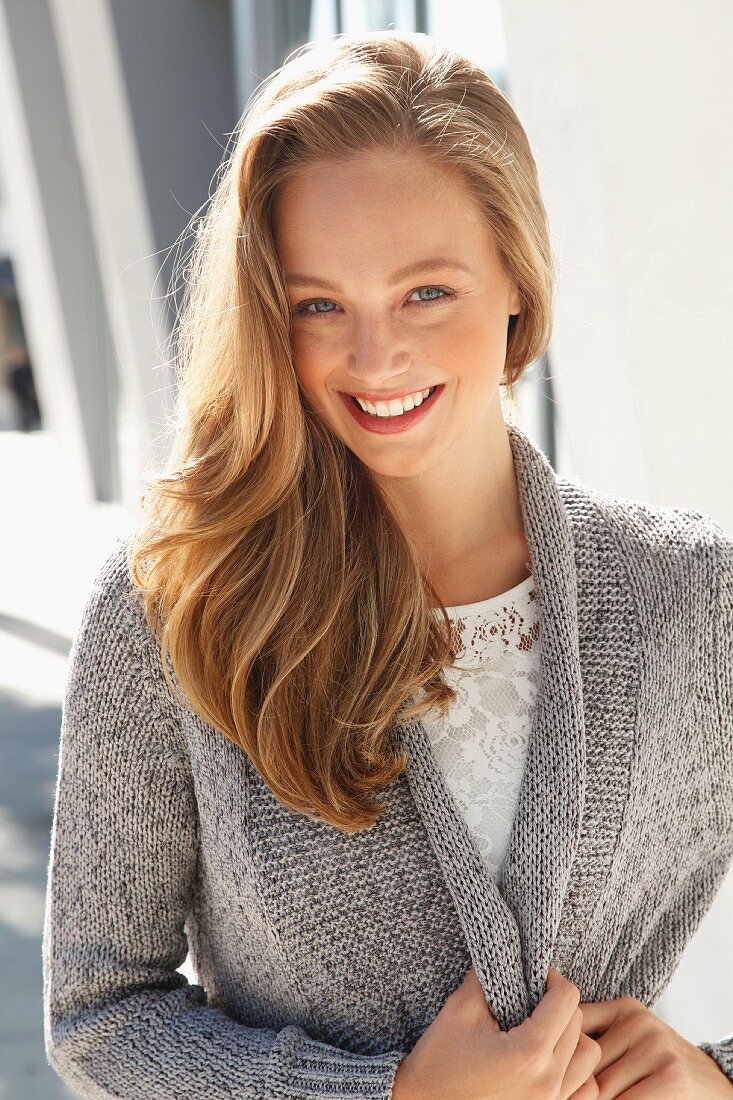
x,y
302,1067
722,1052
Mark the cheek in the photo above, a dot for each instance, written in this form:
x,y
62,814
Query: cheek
x,y
310,358
462,347
479,343
313,362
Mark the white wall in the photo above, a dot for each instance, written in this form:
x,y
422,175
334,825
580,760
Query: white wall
x,y
629,111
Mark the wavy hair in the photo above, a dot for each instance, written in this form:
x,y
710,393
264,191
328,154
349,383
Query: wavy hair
x,y
291,606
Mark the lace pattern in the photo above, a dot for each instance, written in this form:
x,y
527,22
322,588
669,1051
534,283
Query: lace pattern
x,y
481,745
510,620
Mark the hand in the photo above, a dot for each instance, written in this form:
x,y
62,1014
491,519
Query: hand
x,y
642,1058
464,1055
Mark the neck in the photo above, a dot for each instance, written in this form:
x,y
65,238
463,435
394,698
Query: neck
x,y
467,508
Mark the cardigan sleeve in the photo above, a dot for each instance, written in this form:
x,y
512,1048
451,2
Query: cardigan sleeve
x,y
119,1019
722,1051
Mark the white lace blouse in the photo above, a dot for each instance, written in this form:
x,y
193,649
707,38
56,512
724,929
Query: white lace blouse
x,y
481,746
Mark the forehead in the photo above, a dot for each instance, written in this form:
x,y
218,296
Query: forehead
x,y
379,175
385,201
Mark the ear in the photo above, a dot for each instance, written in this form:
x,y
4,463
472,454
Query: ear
x,y
515,302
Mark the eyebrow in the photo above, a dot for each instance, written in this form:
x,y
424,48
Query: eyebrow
x,y
297,279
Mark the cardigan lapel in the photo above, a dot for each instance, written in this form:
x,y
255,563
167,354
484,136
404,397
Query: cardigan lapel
x,y
510,930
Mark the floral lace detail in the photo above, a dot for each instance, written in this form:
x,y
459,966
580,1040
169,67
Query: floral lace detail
x,y
481,745
510,620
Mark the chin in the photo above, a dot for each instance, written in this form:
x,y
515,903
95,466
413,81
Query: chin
x,y
395,469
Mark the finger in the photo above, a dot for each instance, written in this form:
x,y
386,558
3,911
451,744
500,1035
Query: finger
x,y
598,1015
471,993
635,1066
588,1091
617,1044
471,986
580,1070
565,1046
554,1011
649,1089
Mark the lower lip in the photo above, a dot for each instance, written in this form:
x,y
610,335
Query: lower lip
x,y
389,425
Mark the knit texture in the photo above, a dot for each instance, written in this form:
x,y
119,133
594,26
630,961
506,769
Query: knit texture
x,y
322,957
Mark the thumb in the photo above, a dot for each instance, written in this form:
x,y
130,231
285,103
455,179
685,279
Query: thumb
x,y
471,985
472,978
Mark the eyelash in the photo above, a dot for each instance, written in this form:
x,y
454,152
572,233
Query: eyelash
x,y
446,296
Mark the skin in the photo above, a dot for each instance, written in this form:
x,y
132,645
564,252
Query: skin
x,y
352,223
643,1058
464,1055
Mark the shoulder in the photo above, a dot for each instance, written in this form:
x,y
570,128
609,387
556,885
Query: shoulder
x,y
117,700
676,564
654,532
113,633
113,599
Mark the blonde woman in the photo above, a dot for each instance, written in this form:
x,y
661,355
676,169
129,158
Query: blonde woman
x,y
421,750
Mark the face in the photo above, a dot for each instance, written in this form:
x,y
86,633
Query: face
x,y
395,286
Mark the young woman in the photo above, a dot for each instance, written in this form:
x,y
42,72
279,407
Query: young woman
x,y
420,749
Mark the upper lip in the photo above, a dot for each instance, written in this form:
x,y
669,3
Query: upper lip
x,y
388,396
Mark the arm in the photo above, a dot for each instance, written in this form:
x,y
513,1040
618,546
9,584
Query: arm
x,y
722,1051
119,1019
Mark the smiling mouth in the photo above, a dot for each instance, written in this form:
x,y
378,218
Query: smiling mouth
x,y
386,401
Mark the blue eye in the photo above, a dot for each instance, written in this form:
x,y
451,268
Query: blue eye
x,y
302,308
428,301
304,311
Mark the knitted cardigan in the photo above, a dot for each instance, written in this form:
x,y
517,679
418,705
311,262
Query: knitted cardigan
x,y
321,957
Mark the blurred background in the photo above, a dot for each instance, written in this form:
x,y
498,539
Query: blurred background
x,y
114,115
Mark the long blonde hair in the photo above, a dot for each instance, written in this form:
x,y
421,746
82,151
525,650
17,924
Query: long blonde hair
x,y
293,610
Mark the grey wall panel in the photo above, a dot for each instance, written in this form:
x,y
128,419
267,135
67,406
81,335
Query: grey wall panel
x,y
86,338
179,69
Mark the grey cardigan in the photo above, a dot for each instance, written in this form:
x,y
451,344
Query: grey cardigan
x,y
321,956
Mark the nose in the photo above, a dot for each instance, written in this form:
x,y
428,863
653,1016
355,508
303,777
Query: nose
x,y
379,357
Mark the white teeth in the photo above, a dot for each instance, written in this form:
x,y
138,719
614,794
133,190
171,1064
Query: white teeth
x,y
397,406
